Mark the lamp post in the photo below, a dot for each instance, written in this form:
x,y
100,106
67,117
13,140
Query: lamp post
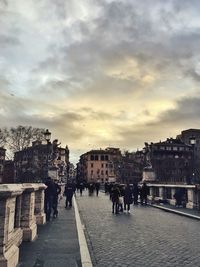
x,y
193,143
47,136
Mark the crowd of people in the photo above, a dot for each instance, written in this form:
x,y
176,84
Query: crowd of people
x,y
122,196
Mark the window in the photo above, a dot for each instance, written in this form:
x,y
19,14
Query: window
x,y
92,157
175,148
102,157
106,172
102,173
106,157
91,172
96,157
92,165
102,165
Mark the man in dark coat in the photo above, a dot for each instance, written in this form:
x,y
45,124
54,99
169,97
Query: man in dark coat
x,y
55,199
49,194
97,187
135,194
128,197
69,191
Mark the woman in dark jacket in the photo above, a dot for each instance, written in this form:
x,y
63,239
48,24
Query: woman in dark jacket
x,y
115,194
128,198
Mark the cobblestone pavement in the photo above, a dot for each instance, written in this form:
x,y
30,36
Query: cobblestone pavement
x,y
146,237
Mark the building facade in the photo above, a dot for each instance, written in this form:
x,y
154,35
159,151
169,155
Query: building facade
x,y
99,165
39,161
171,161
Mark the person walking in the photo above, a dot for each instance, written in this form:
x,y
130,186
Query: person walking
x,y
69,191
49,194
135,193
128,197
97,187
55,198
115,194
81,186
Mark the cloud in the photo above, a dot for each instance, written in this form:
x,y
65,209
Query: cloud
x,y
100,72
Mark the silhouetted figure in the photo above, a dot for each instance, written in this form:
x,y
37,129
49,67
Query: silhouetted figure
x,y
135,194
81,187
55,199
143,194
97,187
69,191
178,197
115,194
128,197
91,189
49,194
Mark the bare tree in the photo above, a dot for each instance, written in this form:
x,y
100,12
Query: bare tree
x,y
20,137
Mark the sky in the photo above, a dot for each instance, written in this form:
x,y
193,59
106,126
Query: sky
x,y
100,73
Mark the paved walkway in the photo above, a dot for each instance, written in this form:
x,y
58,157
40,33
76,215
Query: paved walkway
x,y
148,237
194,214
57,244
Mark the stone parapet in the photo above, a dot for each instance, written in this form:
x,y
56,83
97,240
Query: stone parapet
x,y
21,208
166,192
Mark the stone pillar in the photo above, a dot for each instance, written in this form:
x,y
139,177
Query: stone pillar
x,y
172,201
28,220
39,205
192,198
161,192
10,233
151,195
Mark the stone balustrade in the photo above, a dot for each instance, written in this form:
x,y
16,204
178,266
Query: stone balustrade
x,y
165,193
21,209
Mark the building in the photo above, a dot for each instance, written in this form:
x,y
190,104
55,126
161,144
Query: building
x,y
171,161
192,137
8,173
99,165
130,168
39,161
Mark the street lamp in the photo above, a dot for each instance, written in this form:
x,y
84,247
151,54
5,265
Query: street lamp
x,y
193,143
47,136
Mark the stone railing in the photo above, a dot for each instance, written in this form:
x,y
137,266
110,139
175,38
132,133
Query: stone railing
x,y
165,193
21,209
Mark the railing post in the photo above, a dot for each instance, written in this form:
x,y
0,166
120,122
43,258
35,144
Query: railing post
x,y
10,233
161,192
39,205
28,220
191,198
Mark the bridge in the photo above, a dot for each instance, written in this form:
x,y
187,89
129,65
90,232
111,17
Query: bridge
x,y
146,237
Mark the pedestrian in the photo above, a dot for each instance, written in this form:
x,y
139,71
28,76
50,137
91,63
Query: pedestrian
x,y
91,188
81,188
69,191
128,197
135,193
178,197
115,199
121,198
49,194
55,199
143,194
97,187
